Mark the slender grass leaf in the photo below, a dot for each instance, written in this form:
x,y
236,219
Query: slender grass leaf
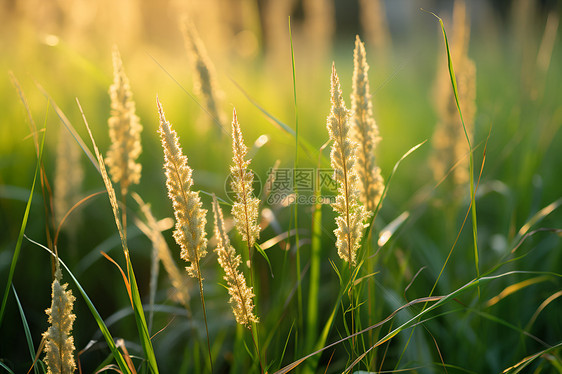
x,y
3,365
66,122
21,234
262,252
28,336
101,324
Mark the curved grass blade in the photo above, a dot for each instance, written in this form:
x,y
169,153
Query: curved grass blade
x,y
21,234
66,122
101,324
135,295
262,252
527,360
535,219
471,166
385,189
303,143
3,365
414,320
26,330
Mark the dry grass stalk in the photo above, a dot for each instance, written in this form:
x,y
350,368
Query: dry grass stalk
x,y
108,185
351,214
365,131
449,140
245,209
59,346
241,296
124,130
205,81
152,229
190,217
68,176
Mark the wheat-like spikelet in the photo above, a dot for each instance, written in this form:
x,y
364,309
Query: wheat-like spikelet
x,y
205,81
365,131
245,208
59,345
190,216
449,140
241,296
153,231
68,176
351,213
124,130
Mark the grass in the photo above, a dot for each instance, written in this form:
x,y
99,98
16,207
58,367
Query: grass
x,y
438,286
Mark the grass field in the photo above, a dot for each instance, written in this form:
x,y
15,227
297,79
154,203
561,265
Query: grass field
x,y
457,270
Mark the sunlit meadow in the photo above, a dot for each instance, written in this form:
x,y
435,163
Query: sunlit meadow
x,y
272,186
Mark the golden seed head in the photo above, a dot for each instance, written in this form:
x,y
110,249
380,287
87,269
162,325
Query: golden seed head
x,y
246,207
241,296
365,131
124,130
351,214
190,217
59,346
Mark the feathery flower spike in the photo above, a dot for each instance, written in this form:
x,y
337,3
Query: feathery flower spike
x,y
59,346
190,216
241,296
351,213
124,130
365,131
245,209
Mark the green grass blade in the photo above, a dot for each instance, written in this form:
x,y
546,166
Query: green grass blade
x,y
264,255
413,321
140,319
309,150
66,122
135,296
21,234
527,360
101,324
27,331
314,280
471,166
3,365
385,189
295,189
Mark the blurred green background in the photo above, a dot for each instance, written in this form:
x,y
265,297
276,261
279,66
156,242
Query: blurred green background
x,y
65,47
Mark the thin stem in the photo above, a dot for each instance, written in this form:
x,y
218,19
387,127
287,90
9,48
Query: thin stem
x,y
204,313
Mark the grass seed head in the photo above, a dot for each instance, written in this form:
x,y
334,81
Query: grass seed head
x,y
245,208
365,131
351,214
190,217
241,296
124,130
59,346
